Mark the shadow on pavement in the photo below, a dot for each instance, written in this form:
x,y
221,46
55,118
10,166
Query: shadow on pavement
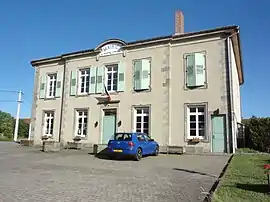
x,y
195,172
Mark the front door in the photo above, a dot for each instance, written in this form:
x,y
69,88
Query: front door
x,y
218,133
109,125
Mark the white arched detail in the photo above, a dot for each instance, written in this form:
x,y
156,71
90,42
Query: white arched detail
x,y
110,47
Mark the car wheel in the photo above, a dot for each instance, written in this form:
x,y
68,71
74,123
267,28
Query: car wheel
x,y
138,156
156,151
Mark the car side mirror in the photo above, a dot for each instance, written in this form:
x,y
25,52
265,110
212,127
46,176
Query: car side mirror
x,y
152,140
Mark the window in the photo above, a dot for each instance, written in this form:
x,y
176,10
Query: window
x,y
141,74
84,80
111,77
196,122
81,123
51,85
48,123
195,70
123,136
142,120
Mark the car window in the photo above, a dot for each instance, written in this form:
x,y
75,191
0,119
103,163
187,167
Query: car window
x,y
123,136
140,137
147,138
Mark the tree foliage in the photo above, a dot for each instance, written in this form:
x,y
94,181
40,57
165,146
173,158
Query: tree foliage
x,y
6,124
23,129
257,132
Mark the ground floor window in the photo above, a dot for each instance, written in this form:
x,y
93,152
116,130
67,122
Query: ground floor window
x,y
196,121
81,122
142,119
48,123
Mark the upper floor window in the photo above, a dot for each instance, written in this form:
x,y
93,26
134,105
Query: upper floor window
x,y
142,74
84,81
51,85
111,77
195,70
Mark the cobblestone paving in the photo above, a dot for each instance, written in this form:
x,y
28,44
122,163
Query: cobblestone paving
x,y
27,174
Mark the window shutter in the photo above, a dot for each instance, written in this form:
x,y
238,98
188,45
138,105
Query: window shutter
x,y
146,73
42,87
137,74
100,79
93,74
59,84
190,71
121,77
200,69
73,83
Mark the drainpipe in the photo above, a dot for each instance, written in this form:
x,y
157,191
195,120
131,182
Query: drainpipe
x,y
62,101
170,89
230,96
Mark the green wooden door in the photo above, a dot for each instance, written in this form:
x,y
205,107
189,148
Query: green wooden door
x,y
218,134
108,127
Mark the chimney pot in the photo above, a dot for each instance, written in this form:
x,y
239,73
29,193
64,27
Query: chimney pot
x,y
179,22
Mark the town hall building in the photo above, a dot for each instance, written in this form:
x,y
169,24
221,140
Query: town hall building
x,y
182,90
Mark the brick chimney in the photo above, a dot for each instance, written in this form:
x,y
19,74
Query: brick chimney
x,y
179,22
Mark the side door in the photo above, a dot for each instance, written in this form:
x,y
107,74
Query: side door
x,y
149,144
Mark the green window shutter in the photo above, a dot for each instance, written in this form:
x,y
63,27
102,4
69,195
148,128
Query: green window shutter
x,y
190,71
73,83
100,79
146,74
42,87
93,74
121,77
137,74
59,84
200,69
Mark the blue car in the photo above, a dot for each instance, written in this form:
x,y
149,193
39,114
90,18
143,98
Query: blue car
x,y
135,145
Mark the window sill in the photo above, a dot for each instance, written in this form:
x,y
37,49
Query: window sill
x,y
141,91
50,98
191,140
205,86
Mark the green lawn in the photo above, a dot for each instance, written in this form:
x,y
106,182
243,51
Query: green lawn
x,y
244,180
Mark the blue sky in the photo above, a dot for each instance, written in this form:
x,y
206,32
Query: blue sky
x,y
33,29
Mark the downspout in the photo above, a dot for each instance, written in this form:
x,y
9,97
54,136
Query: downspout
x,y
62,100
169,96
230,96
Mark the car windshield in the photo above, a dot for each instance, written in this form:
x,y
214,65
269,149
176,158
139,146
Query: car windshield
x,y
123,136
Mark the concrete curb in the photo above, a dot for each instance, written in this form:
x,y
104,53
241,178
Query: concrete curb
x,y
217,182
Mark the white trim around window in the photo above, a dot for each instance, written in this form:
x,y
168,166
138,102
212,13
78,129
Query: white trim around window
x,y
83,81
111,77
141,119
81,123
51,85
196,121
48,124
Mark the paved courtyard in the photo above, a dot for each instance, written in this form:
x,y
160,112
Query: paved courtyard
x,y
26,174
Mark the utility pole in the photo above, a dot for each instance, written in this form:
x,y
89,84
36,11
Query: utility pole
x,y
29,131
18,116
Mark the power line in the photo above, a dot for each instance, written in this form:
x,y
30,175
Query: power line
x,y
8,101
9,91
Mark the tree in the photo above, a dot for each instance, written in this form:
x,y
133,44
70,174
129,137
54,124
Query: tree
x,y
6,124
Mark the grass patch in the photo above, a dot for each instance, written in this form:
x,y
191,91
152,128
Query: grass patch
x,y
244,180
4,139
246,150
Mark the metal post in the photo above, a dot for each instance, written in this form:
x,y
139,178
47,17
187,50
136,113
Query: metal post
x,y
17,116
